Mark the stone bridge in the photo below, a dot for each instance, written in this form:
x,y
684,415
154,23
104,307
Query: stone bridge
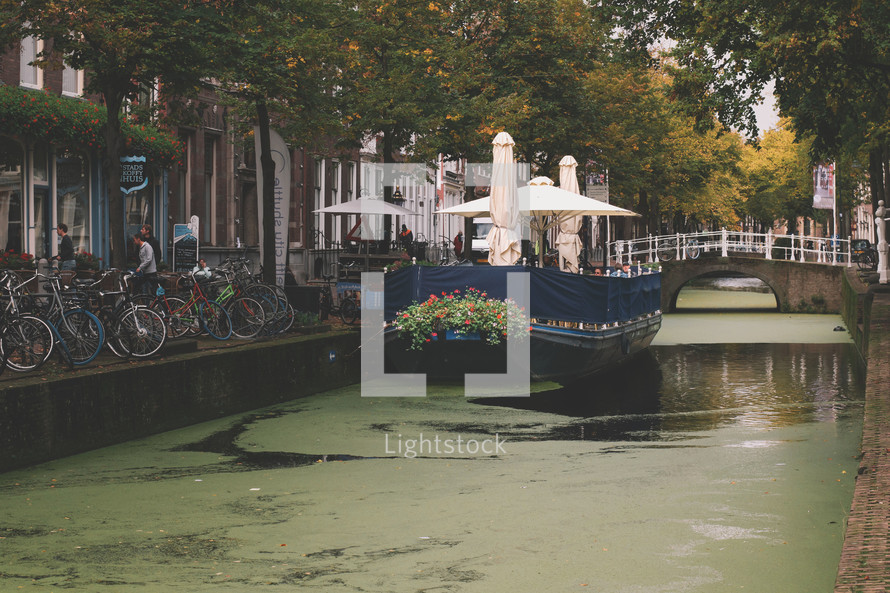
x,y
799,287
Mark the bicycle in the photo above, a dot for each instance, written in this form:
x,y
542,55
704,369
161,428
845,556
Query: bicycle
x,y
667,249
247,314
80,330
346,306
211,316
864,254
133,329
26,341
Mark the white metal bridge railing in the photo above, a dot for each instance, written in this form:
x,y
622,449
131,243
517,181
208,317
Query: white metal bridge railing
x,y
723,243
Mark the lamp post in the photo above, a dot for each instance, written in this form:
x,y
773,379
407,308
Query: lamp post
x,y
397,197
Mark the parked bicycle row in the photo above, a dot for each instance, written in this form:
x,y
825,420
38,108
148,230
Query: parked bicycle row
x,y
42,316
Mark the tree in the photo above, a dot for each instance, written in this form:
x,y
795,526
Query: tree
x,y
779,182
125,48
830,61
278,66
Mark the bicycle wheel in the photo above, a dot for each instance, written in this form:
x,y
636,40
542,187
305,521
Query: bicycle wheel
x,y
286,321
215,320
867,261
182,320
265,296
248,317
348,311
141,331
27,343
692,249
82,333
667,249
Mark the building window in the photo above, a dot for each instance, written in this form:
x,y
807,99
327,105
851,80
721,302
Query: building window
x,y
30,75
11,159
72,82
335,199
209,188
183,203
350,182
72,197
318,198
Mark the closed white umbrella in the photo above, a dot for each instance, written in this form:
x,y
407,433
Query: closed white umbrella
x,y
568,242
503,240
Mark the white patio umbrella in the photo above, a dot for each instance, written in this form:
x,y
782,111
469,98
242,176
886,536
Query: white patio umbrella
x,y
543,200
366,206
545,204
567,241
503,240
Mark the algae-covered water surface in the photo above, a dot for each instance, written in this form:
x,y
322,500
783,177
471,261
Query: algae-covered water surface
x,y
699,467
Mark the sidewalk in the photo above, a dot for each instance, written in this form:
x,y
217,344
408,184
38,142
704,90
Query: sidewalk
x,y
865,559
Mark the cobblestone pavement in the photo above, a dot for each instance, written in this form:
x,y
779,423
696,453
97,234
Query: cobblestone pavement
x,y
865,560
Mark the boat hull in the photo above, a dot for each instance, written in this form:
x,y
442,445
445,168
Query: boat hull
x,y
568,355
560,354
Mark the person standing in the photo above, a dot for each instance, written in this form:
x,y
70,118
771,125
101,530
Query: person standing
x,y
459,244
147,269
153,241
406,239
66,248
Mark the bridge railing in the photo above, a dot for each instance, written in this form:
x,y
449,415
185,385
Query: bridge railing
x,y
682,246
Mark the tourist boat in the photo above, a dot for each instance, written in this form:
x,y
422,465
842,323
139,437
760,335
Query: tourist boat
x,y
578,324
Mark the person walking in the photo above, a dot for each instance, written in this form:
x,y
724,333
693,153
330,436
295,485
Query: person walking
x,y
66,248
153,241
147,270
459,244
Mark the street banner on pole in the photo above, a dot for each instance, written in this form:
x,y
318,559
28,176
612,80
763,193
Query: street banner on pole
x,y
823,186
281,157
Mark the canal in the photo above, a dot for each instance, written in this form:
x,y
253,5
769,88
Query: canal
x,y
723,460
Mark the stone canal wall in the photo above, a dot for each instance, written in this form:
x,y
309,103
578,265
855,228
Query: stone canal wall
x,y
46,418
865,560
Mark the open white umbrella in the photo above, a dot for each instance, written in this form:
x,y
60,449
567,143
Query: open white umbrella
x,y
567,241
543,200
503,240
545,204
366,206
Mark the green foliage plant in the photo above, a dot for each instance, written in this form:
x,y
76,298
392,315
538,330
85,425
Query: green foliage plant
x,y
471,312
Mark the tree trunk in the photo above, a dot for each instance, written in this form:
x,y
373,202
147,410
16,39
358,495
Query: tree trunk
x,y
268,198
111,167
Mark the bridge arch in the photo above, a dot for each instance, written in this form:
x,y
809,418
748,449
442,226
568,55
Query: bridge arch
x,y
797,286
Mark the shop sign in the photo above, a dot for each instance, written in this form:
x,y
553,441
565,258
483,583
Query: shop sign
x,y
133,174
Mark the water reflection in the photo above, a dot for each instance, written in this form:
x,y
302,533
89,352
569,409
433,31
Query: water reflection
x,y
672,391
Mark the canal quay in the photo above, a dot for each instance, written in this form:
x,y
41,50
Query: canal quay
x,y
734,456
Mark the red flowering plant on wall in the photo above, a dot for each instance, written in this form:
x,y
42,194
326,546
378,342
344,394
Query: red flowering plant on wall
x,y
77,122
14,260
87,261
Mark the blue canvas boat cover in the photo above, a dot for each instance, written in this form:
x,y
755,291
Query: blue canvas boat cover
x,y
554,295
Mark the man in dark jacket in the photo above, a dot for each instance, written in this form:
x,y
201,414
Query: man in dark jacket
x,y
66,248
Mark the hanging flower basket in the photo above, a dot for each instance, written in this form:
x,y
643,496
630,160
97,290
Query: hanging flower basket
x,y
469,315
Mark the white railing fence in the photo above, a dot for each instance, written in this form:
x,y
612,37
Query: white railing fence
x,y
724,243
